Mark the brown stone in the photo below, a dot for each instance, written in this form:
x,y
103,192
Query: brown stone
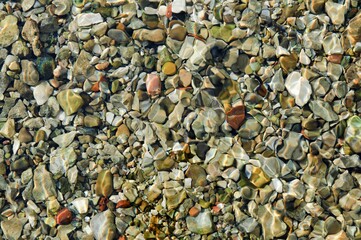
x,y
193,212
123,204
102,66
335,58
64,217
235,117
122,129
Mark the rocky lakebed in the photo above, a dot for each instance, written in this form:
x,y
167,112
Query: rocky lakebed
x,y
180,119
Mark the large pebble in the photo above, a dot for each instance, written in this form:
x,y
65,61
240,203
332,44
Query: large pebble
x,y
102,226
299,88
44,186
29,74
156,35
87,19
12,228
69,101
61,161
104,184
353,133
9,31
336,12
201,224
42,92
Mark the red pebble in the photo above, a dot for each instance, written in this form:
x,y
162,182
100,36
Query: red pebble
x,y
123,204
64,217
103,203
236,116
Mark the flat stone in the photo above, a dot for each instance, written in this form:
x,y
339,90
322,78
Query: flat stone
x,y
118,35
69,101
323,110
336,12
12,228
26,5
42,92
44,186
24,136
8,129
201,224
9,31
64,140
61,160
271,221
88,19
299,88
18,111
92,121
104,184
81,204
102,226
29,74
156,35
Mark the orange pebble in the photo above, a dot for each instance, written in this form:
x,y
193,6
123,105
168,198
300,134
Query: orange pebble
x,y
64,217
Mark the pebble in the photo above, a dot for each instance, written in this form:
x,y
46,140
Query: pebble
x,y
104,184
336,12
197,174
42,92
64,217
156,35
64,140
9,30
169,68
69,101
236,116
299,88
153,84
29,74
81,204
92,121
44,186
201,224
12,228
102,225
88,19
185,77
176,119
8,129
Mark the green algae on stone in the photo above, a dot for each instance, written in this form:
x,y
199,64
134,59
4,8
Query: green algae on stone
x,y
104,183
223,32
46,66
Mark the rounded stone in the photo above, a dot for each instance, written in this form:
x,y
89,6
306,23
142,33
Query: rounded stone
x,y
169,68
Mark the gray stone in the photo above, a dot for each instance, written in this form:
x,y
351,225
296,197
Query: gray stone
x,y
201,224
102,225
44,186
